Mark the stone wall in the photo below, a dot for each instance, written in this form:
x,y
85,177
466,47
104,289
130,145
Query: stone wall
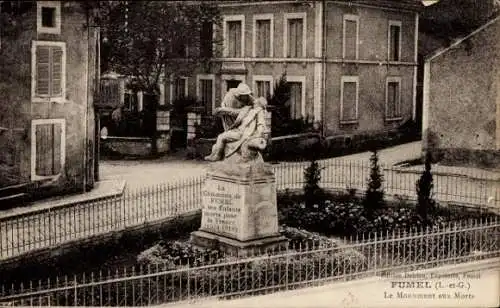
x,y
461,104
133,146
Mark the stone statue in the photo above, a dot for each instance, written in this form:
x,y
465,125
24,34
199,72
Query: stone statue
x,y
235,98
246,138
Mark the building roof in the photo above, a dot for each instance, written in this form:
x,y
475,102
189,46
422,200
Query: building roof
x,y
397,4
462,39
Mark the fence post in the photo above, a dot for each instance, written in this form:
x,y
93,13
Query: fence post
x,y
287,256
375,253
193,119
50,228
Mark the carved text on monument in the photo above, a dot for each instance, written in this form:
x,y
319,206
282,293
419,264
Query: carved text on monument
x,y
220,213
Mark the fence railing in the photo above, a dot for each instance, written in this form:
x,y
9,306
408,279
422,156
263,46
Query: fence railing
x,y
50,227
44,228
299,266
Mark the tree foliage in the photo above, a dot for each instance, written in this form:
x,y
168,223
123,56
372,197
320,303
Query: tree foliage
x,y
449,19
312,192
374,196
426,204
143,38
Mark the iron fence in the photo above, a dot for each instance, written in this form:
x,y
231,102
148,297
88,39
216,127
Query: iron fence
x,y
342,259
50,227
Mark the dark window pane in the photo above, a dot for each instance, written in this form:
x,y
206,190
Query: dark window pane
x,y
48,17
206,40
394,41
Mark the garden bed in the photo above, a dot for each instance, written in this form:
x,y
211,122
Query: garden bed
x,y
326,242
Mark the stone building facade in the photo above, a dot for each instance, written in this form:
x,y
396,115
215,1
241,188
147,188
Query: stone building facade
x,y
352,65
47,95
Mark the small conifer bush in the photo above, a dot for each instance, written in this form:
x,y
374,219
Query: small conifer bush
x,y
374,196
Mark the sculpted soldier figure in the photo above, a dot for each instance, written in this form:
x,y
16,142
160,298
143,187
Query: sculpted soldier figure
x,y
235,98
246,136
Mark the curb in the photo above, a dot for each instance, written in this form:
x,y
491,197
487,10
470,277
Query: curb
x,y
46,205
444,173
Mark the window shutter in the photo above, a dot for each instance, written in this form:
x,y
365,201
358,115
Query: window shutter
x,y
263,38
349,102
298,42
295,99
44,149
57,73
350,39
237,46
292,37
56,145
42,70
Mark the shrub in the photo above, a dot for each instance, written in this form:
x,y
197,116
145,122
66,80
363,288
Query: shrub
x,y
173,253
312,192
209,127
279,100
374,197
426,204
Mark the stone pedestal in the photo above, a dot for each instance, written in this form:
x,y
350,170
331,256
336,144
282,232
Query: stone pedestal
x,y
239,214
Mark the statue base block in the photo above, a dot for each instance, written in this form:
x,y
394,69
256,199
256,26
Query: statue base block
x,y
238,248
239,213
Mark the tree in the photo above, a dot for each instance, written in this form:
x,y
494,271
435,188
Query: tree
x,y
374,196
150,39
426,204
313,194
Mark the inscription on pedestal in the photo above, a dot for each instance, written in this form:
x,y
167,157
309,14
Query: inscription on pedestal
x,y
221,208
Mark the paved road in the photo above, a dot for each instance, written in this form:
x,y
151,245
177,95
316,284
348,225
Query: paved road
x,y
142,173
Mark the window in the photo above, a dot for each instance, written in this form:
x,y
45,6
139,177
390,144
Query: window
x,y
47,148
234,40
49,71
295,35
131,101
206,40
349,99
48,17
263,35
393,98
179,88
297,103
350,49
295,99
205,91
394,41
228,82
263,86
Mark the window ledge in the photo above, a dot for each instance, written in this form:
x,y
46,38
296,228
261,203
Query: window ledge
x,y
45,177
58,100
348,122
49,30
393,119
